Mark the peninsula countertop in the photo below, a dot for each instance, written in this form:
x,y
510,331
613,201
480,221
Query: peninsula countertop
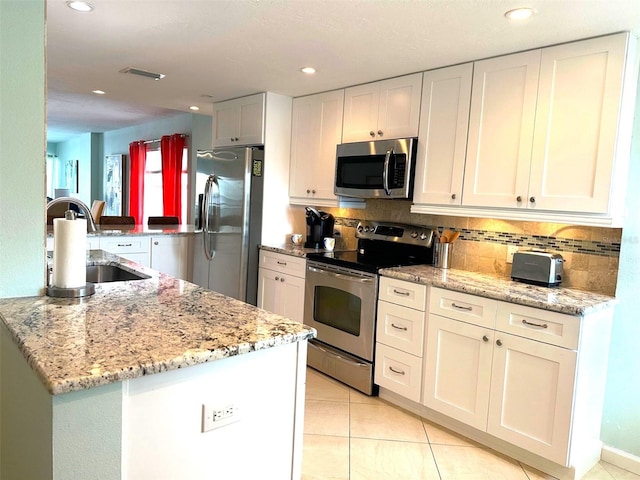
x,y
556,299
135,328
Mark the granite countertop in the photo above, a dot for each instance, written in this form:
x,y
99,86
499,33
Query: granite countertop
x,y
119,230
556,299
293,250
135,328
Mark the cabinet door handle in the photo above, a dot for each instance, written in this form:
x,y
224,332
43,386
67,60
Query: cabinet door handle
x,y
398,292
372,133
518,198
380,132
532,199
453,196
485,338
313,191
499,343
281,263
537,325
277,278
156,242
398,372
125,244
399,327
460,307
282,279
308,191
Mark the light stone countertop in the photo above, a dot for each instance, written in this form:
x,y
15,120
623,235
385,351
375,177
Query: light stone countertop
x,y
132,230
556,299
135,328
293,250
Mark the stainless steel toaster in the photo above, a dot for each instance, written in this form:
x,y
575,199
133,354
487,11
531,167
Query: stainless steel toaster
x,y
537,267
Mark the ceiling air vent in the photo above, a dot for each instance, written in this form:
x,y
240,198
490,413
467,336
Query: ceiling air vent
x,y
142,73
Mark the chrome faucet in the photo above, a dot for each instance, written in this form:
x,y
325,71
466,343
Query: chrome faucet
x,y
91,224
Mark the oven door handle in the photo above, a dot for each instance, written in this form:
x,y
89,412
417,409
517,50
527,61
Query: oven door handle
x,y
345,276
337,357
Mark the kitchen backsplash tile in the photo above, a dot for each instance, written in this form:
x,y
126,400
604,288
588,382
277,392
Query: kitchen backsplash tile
x,y
591,253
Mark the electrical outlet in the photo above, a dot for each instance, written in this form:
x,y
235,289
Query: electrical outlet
x,y
213,418
511,249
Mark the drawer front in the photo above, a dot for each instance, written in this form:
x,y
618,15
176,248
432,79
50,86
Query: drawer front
x,y
398,371
283,263
407,294
464,307
549,327
131,244
400,327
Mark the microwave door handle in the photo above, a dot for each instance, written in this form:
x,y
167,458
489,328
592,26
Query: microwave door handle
x,y
385,172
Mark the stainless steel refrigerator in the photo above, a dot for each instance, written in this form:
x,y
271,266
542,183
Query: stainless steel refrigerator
x,y
229,187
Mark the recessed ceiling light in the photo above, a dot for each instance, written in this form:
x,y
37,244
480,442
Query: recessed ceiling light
x,y
80,6
194,108
520,13
98,92
308,70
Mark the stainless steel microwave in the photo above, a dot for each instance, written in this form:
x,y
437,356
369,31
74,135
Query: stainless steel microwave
x,y
377,169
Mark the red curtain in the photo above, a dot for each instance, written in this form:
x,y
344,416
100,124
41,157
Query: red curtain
x,y
171,148
138,156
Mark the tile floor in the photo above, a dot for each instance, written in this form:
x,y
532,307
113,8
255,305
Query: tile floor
x,y
349,436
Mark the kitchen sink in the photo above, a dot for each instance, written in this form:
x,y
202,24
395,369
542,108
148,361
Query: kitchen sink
x,y
111,273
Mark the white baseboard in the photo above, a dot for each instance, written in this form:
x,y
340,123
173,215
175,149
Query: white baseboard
x,y
621,459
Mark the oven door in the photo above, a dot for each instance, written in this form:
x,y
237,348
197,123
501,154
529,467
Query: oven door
x,y
341,305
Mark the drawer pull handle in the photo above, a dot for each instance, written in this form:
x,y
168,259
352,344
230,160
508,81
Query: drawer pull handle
x,y
485,338
531,324
460,307
398,292
399,328
499,343
125,244
398,372
282,263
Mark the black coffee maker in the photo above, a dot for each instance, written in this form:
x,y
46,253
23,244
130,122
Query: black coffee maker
x,y
319,225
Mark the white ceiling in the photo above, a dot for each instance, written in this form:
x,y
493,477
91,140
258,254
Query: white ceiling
x,y
213,50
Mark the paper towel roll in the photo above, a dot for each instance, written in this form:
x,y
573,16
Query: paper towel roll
x,y
69,253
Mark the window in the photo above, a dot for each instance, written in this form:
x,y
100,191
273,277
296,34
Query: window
x,y
153,185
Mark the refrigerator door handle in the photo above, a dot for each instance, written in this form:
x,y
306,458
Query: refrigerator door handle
x,y
209,250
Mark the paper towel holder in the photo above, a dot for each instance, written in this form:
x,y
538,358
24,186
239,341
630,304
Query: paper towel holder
x,y
77,292
85,291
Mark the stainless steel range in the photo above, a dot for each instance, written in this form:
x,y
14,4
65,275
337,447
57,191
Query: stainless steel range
x,y
341,291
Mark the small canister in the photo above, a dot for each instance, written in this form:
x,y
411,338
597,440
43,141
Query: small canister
x,y
442,254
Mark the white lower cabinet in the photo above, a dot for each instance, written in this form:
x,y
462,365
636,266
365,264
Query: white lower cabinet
x,y
525,381
170,254
399,337
458,370
511,371
281,284
532,389
135,248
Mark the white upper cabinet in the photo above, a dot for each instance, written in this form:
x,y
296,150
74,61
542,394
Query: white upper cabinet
x,y
382,110
442,139
549,136
574,145
239,122
316,131
503,107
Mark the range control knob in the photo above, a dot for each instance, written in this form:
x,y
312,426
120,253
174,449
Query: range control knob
x,y
423,236
414,234
360,228
366,229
